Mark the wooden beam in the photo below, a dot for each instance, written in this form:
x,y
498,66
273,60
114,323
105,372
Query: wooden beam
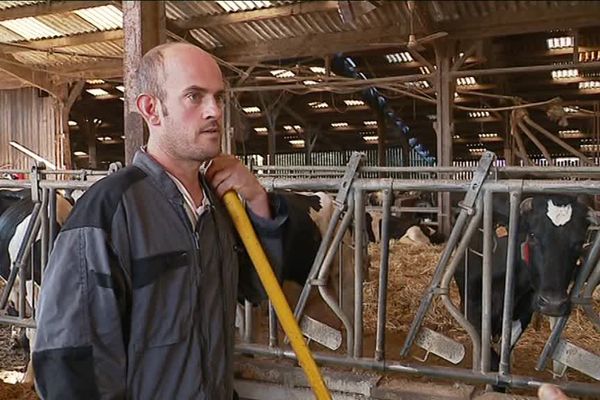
x,y
144,23
39,79
73,40
314,45
525,21
48,7
257,15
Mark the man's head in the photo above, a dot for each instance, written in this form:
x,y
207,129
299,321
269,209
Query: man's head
x,y
180,98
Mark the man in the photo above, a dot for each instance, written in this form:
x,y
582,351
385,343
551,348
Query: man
x,y
140,292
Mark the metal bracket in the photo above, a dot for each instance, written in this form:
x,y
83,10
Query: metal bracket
x,y
440,345
36,191
569,355
321,333
346,181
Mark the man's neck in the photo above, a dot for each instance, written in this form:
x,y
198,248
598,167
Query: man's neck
x,y
185,171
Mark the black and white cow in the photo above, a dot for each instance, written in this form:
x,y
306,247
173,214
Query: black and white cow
x,y
407,228
552,231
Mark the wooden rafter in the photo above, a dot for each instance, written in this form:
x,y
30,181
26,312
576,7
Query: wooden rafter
x,y
47,8
257,15
40,79
73,40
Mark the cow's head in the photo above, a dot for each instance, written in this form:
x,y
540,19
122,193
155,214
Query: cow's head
x,y
555,227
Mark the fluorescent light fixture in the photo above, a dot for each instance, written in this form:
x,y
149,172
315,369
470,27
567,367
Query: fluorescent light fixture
x,y
251,110
80,153
233,6
282,73
432,117
479,114
424,70
401,57
588,56
297,143
477,150
104,18
32,154
456,137
123,137
354,103
422,84
569,133
72,123
488,135
319,70
571,109
97,92
589,85
310,82
559,42
120,88
371,138
565,73
339,124
370,123
466,81
104,139
261,130
590,147
122,98
95,81
318,104
294,128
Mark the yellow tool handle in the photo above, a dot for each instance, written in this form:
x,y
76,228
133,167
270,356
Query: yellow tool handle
x,y
267,277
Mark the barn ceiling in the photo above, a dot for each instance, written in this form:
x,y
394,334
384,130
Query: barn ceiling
x,y
290,45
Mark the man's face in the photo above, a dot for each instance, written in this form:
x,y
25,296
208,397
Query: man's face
x,y
192,108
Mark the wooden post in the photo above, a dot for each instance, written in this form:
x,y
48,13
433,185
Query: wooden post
x,y
444,125
64,105
144,27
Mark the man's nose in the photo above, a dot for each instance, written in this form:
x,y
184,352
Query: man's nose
x,y
212,108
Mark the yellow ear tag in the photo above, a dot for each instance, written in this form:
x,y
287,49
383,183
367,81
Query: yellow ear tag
x,y
501,231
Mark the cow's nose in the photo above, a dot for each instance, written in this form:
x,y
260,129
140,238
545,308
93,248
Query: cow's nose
x,y
553,306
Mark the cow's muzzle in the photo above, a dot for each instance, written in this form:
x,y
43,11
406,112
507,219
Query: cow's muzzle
x,y
553,306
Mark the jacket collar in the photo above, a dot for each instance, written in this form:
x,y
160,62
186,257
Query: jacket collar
x,y
157,173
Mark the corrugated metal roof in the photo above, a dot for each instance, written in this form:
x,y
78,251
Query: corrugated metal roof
x,y
207,40
67,24
6,35
4,5
233,6
30,28
104,18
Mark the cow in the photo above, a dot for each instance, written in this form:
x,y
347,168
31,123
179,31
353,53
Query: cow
x,y
406,227
551,233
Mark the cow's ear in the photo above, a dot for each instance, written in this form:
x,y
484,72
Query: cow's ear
x,y
526,205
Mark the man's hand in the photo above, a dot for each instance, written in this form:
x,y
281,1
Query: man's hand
x,y
228,173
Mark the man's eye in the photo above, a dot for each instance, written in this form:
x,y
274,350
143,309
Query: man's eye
x,y
194,97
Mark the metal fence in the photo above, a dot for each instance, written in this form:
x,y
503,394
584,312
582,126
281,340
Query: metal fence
x,y
351,212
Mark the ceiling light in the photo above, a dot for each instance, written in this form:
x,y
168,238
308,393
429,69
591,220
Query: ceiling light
x,y
232,6
104,18
96,92
80,153
479,114
371,138
251,110
424,70
466,81
30,28
570,133
318,104
297,143
318,70
565,73
282,73
310,82
370,123
419,84
401,57
339,124
488,135
559,42
571,109
72,123
261,129
95,81
354,103
294,128
589,85
120,88
456,137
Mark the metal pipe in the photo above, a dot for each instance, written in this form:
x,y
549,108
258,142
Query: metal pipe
x,y
52,233
383,276
554,337
486,281
517,381
472,228
247,321
507,313
359,226
324,274
17,321
519,70
273,340
588,307
22,254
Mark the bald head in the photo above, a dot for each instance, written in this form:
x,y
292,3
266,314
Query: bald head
x,y
152,71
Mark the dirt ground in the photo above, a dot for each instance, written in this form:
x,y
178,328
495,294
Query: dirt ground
x,y
12,366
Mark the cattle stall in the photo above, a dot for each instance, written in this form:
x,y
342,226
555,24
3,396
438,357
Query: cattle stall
x,y
376,359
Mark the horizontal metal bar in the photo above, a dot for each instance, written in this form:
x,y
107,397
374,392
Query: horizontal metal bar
x,y
517,381
16,321
8,183
518,70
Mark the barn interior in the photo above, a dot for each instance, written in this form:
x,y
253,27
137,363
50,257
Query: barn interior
x,y
409,83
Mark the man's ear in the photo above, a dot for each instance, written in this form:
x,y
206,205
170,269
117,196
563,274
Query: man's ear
x,y
148,106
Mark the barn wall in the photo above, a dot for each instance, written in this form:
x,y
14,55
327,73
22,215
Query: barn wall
x,y
29,120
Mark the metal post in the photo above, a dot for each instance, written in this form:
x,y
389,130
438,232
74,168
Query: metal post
x,y
272,326
383,275
51,220
509,287
247,321
359,227
486,281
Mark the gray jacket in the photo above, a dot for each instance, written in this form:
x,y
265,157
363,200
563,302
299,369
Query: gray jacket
x,y
136,303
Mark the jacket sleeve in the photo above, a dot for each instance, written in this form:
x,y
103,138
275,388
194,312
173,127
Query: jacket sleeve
x,y
270,234
79,351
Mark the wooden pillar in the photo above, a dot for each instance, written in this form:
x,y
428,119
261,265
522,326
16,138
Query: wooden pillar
x,y
308,137
144,28
65,99
381,141
444,125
